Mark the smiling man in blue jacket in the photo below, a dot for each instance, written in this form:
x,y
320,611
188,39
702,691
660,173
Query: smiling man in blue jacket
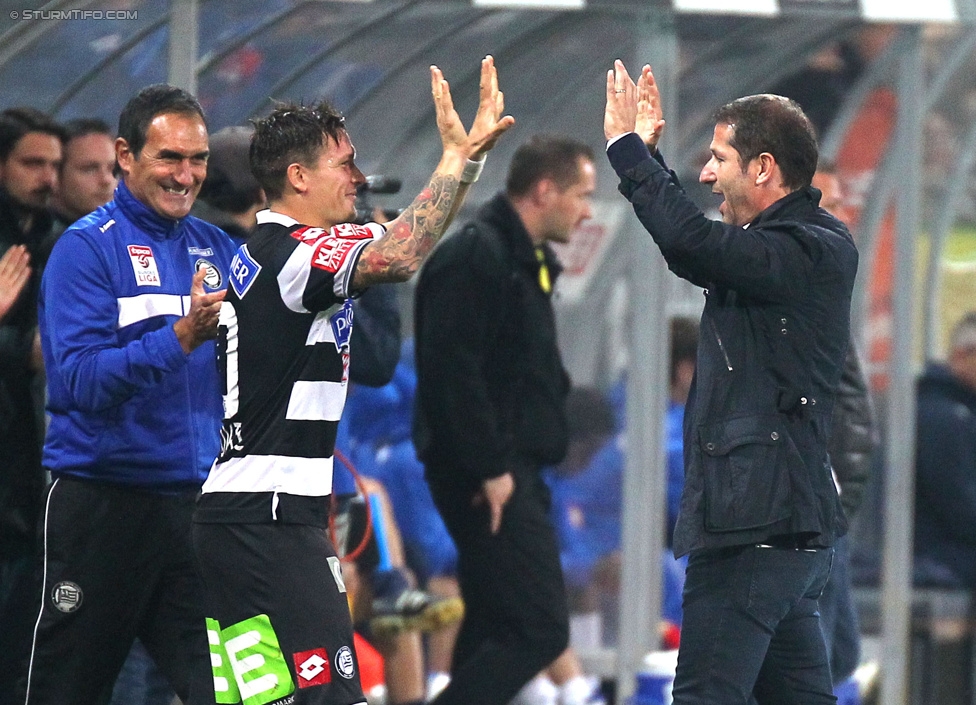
x,y
759,511
128,310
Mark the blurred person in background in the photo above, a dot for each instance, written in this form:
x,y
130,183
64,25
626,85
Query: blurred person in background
x,y
490,414
30,155
230,196
87,175
945,466
853,442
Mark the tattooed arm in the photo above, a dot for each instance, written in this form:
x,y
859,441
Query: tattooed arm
x,y
413,234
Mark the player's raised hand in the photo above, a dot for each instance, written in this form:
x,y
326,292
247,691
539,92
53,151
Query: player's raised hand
x,y
488,124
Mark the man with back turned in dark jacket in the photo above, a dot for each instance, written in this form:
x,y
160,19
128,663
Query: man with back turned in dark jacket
x,y
759,512
945,465
490,413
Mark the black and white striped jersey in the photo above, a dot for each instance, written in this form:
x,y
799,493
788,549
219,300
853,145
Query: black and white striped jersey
x,y
283,353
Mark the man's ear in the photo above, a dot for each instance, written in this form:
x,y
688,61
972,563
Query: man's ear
x,y
296,177
767,165
542,191
124,155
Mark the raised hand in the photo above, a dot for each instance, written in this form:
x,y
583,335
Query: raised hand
x,y
200,323
14,272
620,115
488,124
650,122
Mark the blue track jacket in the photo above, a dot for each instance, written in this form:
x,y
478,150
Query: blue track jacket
x,y
126,405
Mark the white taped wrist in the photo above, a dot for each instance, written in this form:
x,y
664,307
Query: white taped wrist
x,y
472,170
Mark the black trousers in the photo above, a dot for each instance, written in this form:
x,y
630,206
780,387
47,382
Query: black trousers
x,y
279,617
750,632
516,619
118,564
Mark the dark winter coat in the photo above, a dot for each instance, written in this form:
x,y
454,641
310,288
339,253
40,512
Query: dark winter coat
x,y
774,334
491,388
945,481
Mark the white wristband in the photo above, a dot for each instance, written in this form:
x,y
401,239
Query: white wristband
x,y
472,170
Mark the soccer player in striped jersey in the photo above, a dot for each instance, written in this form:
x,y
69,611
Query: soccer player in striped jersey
x,y
279,623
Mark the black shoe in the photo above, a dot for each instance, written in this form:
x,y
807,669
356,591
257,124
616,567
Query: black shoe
x,y
414,611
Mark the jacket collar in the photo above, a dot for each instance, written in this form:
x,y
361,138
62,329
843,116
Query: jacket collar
x,y
938,378
501,216
144,217
804,200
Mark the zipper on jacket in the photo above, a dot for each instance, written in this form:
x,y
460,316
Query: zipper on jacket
x,y
721,346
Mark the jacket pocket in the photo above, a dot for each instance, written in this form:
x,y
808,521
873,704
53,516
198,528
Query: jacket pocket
x,y
746,476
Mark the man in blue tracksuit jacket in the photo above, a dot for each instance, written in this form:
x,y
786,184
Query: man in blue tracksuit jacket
x,y
128,310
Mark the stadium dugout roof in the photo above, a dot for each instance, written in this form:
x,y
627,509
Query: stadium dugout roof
x,y
866,10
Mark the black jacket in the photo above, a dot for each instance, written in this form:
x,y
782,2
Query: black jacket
x,y
945,481
853,436
774,333
491,387
21,390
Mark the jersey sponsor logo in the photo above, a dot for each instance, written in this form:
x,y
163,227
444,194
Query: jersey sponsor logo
x,y
231,437
312,668
341,322
144,265
225,684
260,669
244,269
213,279
308,234
202,251
344,662
67,596
352,231
330,253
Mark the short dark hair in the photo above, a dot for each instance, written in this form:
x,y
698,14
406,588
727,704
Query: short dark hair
x,y
291,134
546,157
158,99
82,127
230,186
17,122
774,124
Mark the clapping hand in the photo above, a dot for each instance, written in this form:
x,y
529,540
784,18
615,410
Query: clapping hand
x,y
200,323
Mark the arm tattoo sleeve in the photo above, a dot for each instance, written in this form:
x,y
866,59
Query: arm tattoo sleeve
x,y
411,236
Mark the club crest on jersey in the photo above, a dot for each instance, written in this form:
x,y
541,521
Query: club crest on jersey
x,y
341,322
312,668
344,663
67,596
243,271
144,265
330,253
212,278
